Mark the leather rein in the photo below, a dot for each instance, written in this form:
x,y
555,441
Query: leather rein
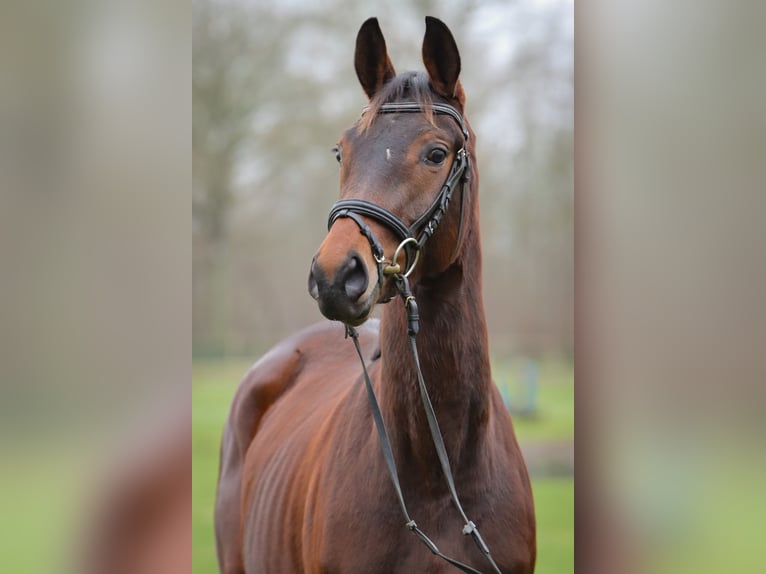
x,y
413,237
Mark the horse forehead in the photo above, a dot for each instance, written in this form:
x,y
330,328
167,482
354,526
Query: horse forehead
x,y
391,129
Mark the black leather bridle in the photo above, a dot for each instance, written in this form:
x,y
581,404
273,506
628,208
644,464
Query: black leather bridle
x,y
413,237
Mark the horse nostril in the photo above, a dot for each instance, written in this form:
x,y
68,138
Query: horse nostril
x,y
354,277
313,287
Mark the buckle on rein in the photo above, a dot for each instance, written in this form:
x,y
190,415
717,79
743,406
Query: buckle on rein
x,y
403,284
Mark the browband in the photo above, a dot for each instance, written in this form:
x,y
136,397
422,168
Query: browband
x,y
436,107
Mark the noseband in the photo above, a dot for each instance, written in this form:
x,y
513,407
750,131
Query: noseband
x,y
412,237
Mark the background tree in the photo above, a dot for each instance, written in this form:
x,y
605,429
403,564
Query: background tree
x,y
274,87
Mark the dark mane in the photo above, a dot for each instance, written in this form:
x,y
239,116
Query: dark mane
x,y
409,86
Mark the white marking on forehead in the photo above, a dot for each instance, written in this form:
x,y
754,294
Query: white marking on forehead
x,y
388,153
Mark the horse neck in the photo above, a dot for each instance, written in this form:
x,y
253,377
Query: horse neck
x,y
452,345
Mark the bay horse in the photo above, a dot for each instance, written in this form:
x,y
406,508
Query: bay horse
x,y
304,486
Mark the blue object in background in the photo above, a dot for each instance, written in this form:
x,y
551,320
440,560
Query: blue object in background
x,y
531,379
523,400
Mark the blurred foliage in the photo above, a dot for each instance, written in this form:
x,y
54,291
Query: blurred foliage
x,y
274,86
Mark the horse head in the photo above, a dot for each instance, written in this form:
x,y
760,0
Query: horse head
x,y
401,164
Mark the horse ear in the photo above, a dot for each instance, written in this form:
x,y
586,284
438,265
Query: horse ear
x,y
373,66
442,59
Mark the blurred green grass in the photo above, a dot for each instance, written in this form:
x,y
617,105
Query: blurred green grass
x,y
40,497
553,418
214,383
213,386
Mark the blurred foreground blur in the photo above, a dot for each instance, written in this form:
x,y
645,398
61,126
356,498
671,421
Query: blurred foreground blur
x,y
671,325
95,301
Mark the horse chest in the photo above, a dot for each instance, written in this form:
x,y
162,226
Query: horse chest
x,y
357,526
373,538
328,506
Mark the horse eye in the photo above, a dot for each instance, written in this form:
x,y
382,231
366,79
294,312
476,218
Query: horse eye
x,y
436,156
338,157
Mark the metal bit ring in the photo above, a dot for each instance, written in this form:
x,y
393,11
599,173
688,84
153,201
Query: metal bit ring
x,y
395,258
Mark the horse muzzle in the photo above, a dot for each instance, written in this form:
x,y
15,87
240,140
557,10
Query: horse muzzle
x,y
344,293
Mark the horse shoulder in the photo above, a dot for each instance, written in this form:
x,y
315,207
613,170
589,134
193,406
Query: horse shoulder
x,y
261,388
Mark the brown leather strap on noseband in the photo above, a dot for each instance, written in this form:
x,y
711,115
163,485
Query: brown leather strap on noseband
x,y
425,225
377,248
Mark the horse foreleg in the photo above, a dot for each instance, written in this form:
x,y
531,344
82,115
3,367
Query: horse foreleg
x,y
261,387
228,536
